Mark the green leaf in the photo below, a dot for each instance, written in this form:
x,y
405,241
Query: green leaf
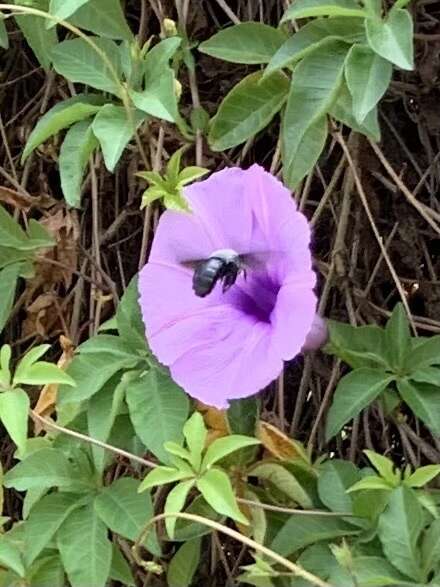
x,y
424,401
79,143
398,337
40,40
45,519
42,373
368,76
104,18
222,447
157,59
129,320
8,284
125,511
300,531
373,482
216,488
247,42
178,451
47,571
195,434
103,408
393,38
174,503
399,530
158,98
333,482
121,570
11,233
373,570
114,131
47,467
79,62
85,550
186,529
14,413
314,87
426,375
313,37
307,152
91,371
64,8
242,415
190,174
162,475
307,8
431,547
62,115
4,39
10,556
184,564
424,353
422,476
355,392
384,466
284,481
342,110
156,398
30,358
247,109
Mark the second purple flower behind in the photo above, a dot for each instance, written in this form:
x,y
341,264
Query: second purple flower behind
x,y
231,345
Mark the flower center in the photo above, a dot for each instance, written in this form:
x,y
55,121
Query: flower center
x,y
256,296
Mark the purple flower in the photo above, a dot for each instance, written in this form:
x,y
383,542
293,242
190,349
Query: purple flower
x,y
231,345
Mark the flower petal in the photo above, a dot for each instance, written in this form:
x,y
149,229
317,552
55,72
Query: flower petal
x,y
292,319
220,205
238,366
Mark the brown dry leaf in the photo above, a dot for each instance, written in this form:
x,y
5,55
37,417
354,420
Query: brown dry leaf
x,y
215,421
43,316
277,443
23,201
64,227
48,395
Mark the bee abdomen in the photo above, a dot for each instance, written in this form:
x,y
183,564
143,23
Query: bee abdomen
x,y
206,275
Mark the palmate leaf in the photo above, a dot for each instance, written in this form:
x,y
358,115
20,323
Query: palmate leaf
x,y
247,42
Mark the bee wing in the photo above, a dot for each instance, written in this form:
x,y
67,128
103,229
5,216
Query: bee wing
x,y
259,259
191,263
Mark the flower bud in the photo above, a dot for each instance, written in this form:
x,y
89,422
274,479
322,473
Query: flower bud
x,y
317,336
169,27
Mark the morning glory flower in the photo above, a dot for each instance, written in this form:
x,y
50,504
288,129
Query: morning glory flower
x,y
232,344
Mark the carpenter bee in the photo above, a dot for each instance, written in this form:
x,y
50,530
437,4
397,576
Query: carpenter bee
x,y
224,265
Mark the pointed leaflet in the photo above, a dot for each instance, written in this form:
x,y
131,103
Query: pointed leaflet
x,y
163,475
64,8
159,97
247,42
335,477
129,319
125,511
368,76
47,467
431,547
10,556
314,36
398,338
222,447
8,283
85,549
175,502
184,564
154,398
114,130
104,18
79,62
424,352
423,475
40,40
355,392
62,116
284,481
307,8
247,109
342,110
14,413
216,488
424,401
393,38
195,434
399,530
45,519
79,143
384,466
314,88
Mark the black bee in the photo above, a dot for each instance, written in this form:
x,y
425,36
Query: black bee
x,y
224,265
